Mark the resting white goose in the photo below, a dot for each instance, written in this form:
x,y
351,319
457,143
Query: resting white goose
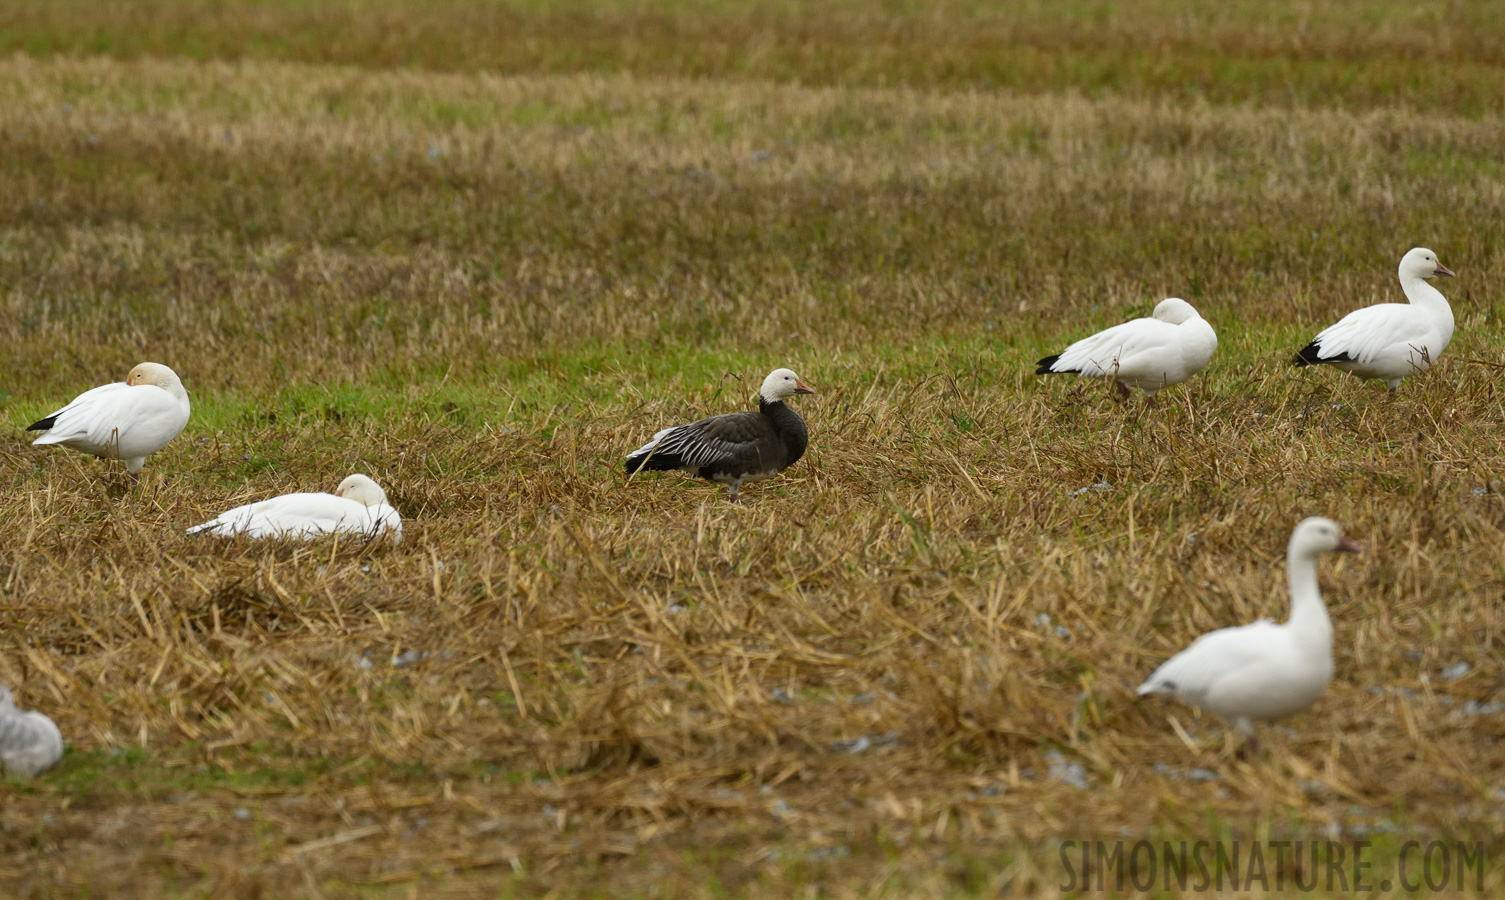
x,y
1390,340
1165,349
30,743
127,420
1255,673
358,506
737,447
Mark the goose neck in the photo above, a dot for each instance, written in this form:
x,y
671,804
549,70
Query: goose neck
x,y
1422,294
1308,612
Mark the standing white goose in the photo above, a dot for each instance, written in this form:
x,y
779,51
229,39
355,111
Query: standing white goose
x,y
1167,348
127,420
1263,671
737,447
1390,340
30,743
358,506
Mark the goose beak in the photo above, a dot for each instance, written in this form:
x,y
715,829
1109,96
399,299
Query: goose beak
x,y
1347,544
801,388
1444,270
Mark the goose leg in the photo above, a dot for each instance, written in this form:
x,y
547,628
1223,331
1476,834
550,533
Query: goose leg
x,y
1251,747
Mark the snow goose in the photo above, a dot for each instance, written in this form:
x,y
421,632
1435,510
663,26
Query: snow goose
x,y
30,743
1255,673
127,420
1165,349
1390,340
737,447
358,506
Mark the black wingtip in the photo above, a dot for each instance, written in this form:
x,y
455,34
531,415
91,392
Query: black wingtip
x,y
653,462
1311,355
1044,366
43,424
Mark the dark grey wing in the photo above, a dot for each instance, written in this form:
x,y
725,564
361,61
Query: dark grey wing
x,y
718,439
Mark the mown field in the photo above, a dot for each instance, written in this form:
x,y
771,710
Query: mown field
x,y
481,250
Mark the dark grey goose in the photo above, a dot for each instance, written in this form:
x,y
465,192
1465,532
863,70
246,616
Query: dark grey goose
x,y
737,447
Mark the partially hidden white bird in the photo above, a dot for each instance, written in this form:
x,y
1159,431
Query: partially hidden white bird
x,y
358,506
1167,348
1390,340
30,743
128,420
1264,671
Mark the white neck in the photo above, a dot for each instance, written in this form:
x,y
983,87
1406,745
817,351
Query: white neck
x,y
1308,612
1422,294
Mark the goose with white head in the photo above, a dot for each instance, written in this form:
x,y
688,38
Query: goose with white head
x,y
128,420
1264,671
1167,348
30,742
734,448
1390,341
357,507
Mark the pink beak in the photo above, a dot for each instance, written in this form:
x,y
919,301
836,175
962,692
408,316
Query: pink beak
x,y
1443,270
801,388
1347,544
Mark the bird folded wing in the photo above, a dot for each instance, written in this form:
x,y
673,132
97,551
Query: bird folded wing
x,y
1102,353
714,439
290,514
101,415
90,416
1211,657
1363,334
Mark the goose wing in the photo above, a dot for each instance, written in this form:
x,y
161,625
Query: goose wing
x,y
1211,658
1109,350
101,417
717,439
91,418
1365,333
291,515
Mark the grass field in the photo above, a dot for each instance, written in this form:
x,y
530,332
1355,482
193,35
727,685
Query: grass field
x,y
481,250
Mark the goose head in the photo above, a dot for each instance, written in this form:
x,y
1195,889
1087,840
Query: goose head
x,y
1316,535
154,374
362,490
782,383
1174,310
1422,263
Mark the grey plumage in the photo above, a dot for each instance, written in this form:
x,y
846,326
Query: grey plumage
x,y
734,448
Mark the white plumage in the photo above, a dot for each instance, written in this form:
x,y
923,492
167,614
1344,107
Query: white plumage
x,y
1167,348
127,420
1263,671
358,506
1390,340
30,743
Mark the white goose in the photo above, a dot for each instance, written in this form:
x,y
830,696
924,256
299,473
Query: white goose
x,y
1167,348
1255,673
127,420
1390,340
30,743
358,506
